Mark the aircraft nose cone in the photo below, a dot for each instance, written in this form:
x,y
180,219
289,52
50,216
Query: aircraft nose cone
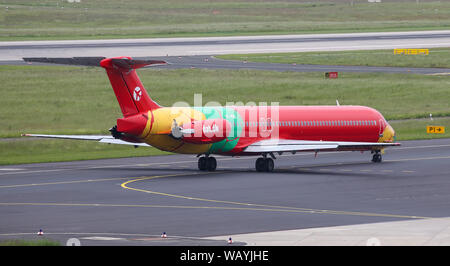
x,y
389,134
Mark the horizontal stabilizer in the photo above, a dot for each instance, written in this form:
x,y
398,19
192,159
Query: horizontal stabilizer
x,y
119,62
78,61
132,63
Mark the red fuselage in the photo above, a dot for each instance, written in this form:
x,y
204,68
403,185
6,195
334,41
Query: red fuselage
x,y
315,123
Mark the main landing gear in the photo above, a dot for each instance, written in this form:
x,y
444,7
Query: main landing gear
x,y
377,157
264,164
207,163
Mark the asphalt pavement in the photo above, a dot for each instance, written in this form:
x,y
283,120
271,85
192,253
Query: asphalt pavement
x,y
132,201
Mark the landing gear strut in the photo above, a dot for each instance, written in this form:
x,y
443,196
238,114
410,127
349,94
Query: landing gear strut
x,y
264,164
377,157
207,163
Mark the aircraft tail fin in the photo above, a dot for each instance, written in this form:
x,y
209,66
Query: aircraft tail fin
x,y
121,71
131,94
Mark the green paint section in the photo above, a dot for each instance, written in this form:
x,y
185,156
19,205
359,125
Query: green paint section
x,y
233,117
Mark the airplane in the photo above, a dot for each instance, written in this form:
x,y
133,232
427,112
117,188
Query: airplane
x,y
262,131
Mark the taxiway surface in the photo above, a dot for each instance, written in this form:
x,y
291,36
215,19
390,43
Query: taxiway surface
x,y
10,51
131,201
211,62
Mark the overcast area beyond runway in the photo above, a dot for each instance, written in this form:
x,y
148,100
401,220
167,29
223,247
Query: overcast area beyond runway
x,y
131,201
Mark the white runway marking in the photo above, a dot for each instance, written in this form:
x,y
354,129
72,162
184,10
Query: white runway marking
x,y
424,232
103,238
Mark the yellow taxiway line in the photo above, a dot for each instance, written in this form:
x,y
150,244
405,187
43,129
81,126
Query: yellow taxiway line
x,y
251,206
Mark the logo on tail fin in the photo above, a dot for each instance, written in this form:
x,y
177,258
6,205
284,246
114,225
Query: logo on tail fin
x,y
137,94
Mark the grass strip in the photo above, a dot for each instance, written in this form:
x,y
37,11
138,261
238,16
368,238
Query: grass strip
x,y
100,19
437,58
24,242
80,100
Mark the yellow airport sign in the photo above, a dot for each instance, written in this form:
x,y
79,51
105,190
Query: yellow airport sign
x,y
435,130
411,51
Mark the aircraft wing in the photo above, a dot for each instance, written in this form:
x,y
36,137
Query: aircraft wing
x,y
305,145
98,138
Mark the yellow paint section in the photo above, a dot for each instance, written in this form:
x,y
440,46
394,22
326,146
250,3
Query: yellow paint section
x,y
388,134
412,51
157,134
147,126
252,206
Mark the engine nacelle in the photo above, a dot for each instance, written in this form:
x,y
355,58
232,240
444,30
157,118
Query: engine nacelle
x,y
205,131
132,125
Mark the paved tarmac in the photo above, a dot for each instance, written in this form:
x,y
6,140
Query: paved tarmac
x,y
198,52
10,51
132,201
418,232
211,62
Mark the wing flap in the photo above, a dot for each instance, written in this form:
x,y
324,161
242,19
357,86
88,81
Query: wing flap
x,y
305,145
281,148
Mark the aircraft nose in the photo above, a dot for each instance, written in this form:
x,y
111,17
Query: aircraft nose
x,y
394,135
389,134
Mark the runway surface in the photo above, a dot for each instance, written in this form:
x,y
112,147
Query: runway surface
x,y
210,62
131,201
198,52
10,51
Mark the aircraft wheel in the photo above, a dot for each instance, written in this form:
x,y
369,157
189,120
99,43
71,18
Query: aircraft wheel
x,y
211,164
202,163
269,164
377,158
264,165
260,165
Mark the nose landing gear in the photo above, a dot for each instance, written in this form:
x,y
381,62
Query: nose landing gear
x,y
377,157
